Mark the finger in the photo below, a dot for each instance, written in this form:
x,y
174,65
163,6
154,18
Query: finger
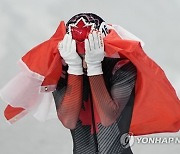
x,y
69,42
91,41
87,45
60,45
96,41
65,41
100,40
73,46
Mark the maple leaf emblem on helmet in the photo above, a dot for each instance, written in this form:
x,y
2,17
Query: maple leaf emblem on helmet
x,y
80,29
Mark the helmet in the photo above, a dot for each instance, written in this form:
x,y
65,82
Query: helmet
x,y
81,25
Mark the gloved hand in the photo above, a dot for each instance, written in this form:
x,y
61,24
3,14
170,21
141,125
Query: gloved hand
x,y
67,49
94,54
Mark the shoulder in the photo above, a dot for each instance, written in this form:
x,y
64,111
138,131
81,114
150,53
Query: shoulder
x,y
123,72
119,65
123,65
111,66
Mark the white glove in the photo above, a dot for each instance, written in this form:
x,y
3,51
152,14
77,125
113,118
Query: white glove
x,y
94,54
67,49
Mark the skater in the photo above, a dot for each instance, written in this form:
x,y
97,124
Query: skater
x,y
95,95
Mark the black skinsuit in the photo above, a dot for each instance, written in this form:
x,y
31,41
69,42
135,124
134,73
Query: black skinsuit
x,y
107,140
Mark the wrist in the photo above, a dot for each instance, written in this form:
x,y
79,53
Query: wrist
x,y
94,69
75,69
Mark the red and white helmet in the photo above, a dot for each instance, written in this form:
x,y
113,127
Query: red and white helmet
x,y
81,25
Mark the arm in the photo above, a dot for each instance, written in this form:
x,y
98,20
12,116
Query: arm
x,y
104,104
110,106
122,81
106,107
70,106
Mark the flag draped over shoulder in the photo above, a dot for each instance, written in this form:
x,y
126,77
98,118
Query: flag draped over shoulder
x,y
156,106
